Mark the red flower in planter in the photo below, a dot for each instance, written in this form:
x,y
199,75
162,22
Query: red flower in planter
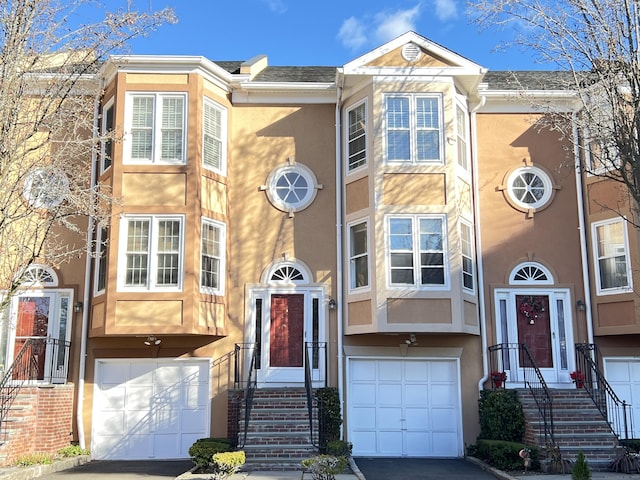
x,y
498,378
578,378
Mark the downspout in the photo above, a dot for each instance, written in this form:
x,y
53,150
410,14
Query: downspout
x,y
87,274
478,244
339,282
583,232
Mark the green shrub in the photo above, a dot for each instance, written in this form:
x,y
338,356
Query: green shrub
x,y
203,449
501,415
35,459
225,464
330,414
325,467
339,448
505,455
581,470
72,451
633,444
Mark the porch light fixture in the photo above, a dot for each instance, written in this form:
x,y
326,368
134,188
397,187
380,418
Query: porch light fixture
x,y
77,307
333,304
152,340
581,306
412,340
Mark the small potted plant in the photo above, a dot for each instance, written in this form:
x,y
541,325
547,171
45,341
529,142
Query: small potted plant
x,y
498,378
578,378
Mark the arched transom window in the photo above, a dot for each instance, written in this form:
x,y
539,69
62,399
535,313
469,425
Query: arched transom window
x,y
289,273
39,275
531,273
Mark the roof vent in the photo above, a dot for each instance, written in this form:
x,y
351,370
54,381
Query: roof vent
x,y
411,52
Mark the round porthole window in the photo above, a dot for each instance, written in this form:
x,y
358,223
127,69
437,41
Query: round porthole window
x,y
529,188
46,187
291,187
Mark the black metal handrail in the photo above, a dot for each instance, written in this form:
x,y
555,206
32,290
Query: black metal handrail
x,y
40,360
505,357
616,412
308,386
249,390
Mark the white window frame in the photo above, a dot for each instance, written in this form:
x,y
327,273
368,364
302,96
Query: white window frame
x,y
470,256
110,105
347,140
152,253
222,229
222,167
156,128
354,257
415,251
516,198
462,138
413,129
101,248
596,257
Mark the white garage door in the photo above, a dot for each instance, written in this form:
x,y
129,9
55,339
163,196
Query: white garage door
x,y
404,407
149,409
623,374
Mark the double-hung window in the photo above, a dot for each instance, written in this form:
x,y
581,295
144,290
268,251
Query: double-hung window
x,y
155,127
102,237
358,255
417,251
414,130
106,129
152,252
462,134
212,255
611,253
214,142
357,137
468,257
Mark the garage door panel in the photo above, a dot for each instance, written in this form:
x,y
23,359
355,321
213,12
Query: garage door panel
x,y
365,394
623,374
416,405
416,394
388,371
390,443
389,418
443,371
389,395
154,412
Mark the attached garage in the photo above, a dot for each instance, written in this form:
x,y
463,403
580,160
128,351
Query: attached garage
x,y
145,409
623,374
404,407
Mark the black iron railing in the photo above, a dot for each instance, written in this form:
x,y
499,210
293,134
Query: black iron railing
x,y
39,361
249,390
314,352
616,412
515,358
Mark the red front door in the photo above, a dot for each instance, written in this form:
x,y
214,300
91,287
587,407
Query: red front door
x,y
534,328
286,335
32,322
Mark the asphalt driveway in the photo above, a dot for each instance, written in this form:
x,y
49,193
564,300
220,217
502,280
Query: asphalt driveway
x,y
121,470
420,469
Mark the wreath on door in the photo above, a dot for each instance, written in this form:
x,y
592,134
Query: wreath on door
x,y
530,308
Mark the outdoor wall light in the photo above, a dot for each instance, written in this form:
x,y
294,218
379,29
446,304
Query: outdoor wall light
x,y
152,340
333,304
581,306
77,307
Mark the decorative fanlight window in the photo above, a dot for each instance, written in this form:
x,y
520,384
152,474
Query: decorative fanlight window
x,y
291,187
531,273
288,273
39,275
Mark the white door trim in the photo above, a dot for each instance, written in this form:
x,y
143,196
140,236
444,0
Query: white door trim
x,y
561,324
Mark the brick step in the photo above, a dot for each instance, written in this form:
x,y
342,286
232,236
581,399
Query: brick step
x,y
278,427
277,414
574,426
266,453
273,438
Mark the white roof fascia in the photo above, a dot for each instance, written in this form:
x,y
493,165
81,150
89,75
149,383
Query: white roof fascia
x,y
529,101
288,93
403,39
168,64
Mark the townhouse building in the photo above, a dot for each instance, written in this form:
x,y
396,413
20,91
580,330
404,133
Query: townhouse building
x,y
395,227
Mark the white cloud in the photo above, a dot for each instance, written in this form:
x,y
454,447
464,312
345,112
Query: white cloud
x,y
390,25
352,34
446,10
276,6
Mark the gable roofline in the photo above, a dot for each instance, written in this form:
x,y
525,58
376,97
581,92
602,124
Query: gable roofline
x,y
463,65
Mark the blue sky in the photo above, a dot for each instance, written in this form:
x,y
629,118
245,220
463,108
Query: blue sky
x,y
329,32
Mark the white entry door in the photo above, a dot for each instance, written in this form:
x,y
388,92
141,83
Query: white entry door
x,y
404,407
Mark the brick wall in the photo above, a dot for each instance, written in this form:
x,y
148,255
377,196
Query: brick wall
x,y
40,420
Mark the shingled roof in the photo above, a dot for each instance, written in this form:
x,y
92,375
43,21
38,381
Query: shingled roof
x,y
529,80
